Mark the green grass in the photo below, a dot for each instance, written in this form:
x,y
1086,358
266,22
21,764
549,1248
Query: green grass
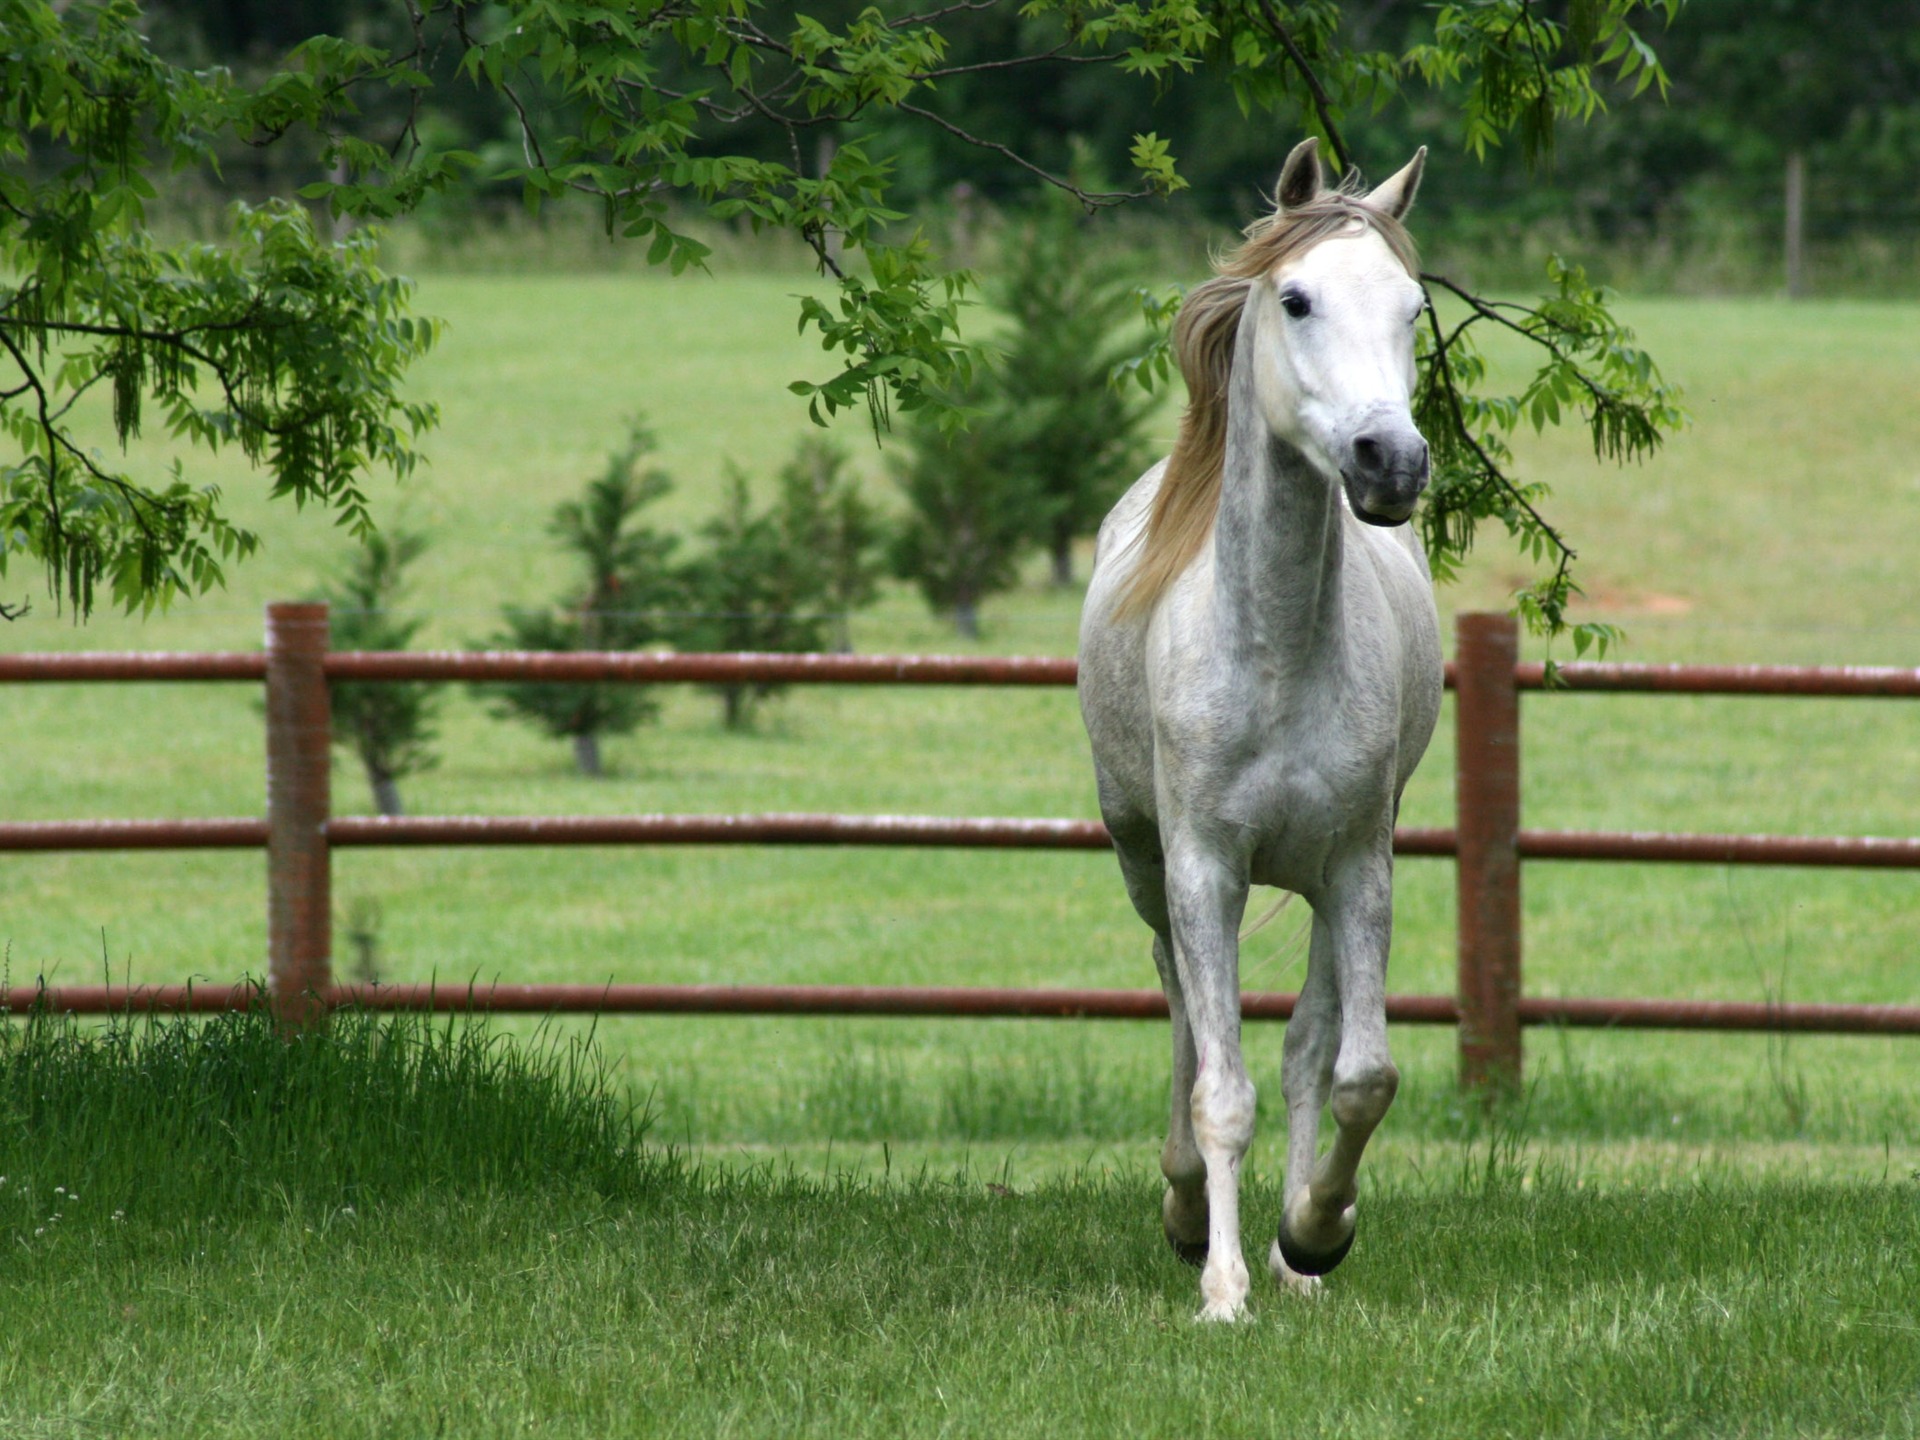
x,y
399,1227
763,1305
156,1119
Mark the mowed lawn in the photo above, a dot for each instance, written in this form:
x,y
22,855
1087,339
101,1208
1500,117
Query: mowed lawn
x,y
396,1229
763,1306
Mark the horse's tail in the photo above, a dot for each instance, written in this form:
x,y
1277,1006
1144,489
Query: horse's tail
x,y
1287,897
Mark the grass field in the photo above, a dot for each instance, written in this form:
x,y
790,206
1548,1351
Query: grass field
x,y
359,1275
1710,1234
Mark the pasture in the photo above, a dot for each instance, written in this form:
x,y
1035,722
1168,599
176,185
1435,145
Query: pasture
x,y
950,1226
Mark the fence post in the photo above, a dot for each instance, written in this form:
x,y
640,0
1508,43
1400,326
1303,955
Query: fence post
x,y
299,802
1487,807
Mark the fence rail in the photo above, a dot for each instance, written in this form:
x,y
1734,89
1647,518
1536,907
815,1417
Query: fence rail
x,y
1851,852
1487,843
973,1002
645,667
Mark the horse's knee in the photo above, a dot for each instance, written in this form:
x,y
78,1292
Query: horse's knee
x,y
1361,1097
1223,1110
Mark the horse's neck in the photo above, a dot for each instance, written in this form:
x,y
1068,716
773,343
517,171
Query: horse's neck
x,y
1277,543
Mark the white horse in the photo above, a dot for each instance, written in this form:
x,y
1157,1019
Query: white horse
x,y
1260,673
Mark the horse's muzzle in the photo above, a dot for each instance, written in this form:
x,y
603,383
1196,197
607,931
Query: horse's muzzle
x,y
1386,470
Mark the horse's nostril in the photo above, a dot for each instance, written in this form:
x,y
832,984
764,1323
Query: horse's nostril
x,y
1368,455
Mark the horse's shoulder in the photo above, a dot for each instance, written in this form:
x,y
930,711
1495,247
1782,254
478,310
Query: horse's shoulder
x,y
1129,513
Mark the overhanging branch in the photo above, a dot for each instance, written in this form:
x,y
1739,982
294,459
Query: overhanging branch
x,y
1322,102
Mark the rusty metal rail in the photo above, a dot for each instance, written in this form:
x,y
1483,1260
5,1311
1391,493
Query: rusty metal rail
x,y
1488,845
958,1003
918,831
601,666
646,667
1872,852
122,665
1832,681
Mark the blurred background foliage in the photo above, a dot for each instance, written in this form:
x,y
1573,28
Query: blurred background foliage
x,y
1689,194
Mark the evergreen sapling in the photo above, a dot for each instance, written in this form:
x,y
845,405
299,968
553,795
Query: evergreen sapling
x,y
625,600
388,725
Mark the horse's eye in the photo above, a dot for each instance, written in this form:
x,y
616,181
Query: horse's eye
x,y
1296,304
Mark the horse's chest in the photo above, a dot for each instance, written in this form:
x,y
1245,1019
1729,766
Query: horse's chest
x,y
1307,797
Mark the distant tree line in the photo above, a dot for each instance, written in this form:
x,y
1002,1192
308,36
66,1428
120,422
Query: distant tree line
x,y
1770,100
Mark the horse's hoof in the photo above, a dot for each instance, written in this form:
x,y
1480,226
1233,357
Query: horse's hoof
x,y
1222,1313
1292,1282
1180,1218
1312,1262
1191,1252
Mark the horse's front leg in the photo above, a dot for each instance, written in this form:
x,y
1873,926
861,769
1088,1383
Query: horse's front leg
x,y
1206,897
1316,1227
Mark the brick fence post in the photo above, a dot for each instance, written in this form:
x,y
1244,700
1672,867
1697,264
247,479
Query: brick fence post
x,y
1487,805
299,803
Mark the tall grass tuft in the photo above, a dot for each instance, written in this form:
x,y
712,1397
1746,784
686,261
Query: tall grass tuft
x,y
178,1117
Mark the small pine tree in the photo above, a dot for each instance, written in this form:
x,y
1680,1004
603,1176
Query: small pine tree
x,y
823,514
1078,439
973,512
761,584
388,725
624,601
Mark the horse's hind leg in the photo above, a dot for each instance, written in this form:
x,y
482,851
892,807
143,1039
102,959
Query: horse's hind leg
x,y
1317,1225
1183,1211
1313,1036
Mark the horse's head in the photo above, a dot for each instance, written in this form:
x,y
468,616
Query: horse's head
x,y
1334,322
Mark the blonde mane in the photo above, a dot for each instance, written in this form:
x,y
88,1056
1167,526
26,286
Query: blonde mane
x,y
1204,335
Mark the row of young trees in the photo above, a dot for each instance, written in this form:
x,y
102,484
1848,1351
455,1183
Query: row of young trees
x,y
783,579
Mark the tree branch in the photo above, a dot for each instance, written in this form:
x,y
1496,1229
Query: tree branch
x,y
1058,55
1490,310
927,17
1093,200
1322,102
1490,471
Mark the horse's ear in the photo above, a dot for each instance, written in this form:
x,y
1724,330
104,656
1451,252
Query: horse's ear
x,y
1300,178
1395,194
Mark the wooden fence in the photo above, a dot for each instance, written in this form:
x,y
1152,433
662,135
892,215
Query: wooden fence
x,y
299,833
